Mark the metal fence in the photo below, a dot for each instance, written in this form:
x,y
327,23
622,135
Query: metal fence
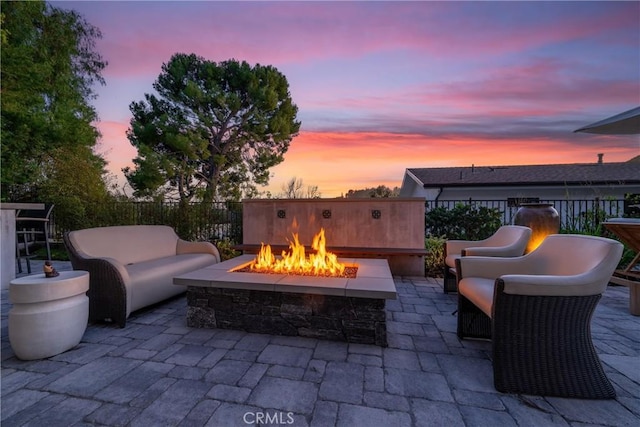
x,y
195,221
223,220
575,215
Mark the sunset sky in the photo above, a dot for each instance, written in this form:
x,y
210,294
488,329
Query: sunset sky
x,y
385,86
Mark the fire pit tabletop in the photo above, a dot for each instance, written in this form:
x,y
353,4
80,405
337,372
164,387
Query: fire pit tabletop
x,y
373,279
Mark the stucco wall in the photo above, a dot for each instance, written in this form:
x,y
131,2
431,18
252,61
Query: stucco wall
x,y
351,223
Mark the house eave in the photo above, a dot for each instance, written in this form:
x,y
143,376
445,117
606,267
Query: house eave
x,y
531,184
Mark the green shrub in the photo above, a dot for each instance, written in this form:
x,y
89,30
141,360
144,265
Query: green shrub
x,y
434,259
58,252
586,222
225,246
463,221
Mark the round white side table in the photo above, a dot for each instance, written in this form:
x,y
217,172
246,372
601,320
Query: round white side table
x,y
49,315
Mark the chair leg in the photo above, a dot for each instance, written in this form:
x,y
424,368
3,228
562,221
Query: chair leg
x,y
26,253
46,242
18,257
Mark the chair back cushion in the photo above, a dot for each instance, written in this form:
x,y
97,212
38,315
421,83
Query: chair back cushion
x,y
591,260
516,236
507,241
127,244
570,254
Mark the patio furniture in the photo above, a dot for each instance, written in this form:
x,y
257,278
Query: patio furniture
x,y
507,241
32,224
628,231
537,310
49,315
8,253
133,266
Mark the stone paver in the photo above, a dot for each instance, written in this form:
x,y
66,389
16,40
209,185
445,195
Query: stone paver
x,y
343,382
157,371
285,395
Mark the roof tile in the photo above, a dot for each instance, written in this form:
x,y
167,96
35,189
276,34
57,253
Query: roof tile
x,y
578,173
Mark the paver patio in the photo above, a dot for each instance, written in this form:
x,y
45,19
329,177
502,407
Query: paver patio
x,y
159,372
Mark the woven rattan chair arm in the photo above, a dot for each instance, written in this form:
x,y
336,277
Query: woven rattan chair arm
x,y
108,296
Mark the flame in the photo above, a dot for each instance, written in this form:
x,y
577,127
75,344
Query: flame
x,y
321,263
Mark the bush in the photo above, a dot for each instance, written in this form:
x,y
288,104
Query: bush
x,y
464,221
225,246
434,260
586,222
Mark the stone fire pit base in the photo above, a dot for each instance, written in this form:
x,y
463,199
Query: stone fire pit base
x,y
333,308
338,318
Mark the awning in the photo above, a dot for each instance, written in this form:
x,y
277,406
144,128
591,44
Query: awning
x,y
627,123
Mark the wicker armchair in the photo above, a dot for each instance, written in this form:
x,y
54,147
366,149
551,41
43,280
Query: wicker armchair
x,y
537,310
507,241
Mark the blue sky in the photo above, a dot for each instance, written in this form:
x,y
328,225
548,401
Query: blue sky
x,y
385,86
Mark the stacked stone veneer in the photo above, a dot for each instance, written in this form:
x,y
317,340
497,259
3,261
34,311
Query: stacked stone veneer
x,y
338,318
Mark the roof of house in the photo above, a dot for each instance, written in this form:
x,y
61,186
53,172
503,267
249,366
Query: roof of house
x,y
559,174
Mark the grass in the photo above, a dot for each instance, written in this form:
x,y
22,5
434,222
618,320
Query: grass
x,y
58,252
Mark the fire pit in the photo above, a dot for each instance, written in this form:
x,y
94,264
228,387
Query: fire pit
x,y
297,262
229,295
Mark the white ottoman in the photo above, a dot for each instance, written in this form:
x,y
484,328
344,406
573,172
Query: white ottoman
x,y
49,315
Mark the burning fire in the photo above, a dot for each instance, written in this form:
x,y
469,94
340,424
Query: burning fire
x,y
322,263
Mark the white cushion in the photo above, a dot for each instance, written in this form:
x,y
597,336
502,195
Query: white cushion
x,y
508,240
153,280
479,291
564,264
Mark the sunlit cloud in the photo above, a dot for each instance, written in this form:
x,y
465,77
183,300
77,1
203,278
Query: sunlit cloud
x,y
384,86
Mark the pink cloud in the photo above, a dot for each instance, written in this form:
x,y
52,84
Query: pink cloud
x,y
281,33
382,86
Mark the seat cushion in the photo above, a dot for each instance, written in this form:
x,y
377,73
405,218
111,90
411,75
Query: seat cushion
x,y
152,281
479,291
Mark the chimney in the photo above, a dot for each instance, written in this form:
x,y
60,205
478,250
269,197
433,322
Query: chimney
x,y
600,156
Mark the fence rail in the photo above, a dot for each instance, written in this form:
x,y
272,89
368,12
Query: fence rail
x,y
223,220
